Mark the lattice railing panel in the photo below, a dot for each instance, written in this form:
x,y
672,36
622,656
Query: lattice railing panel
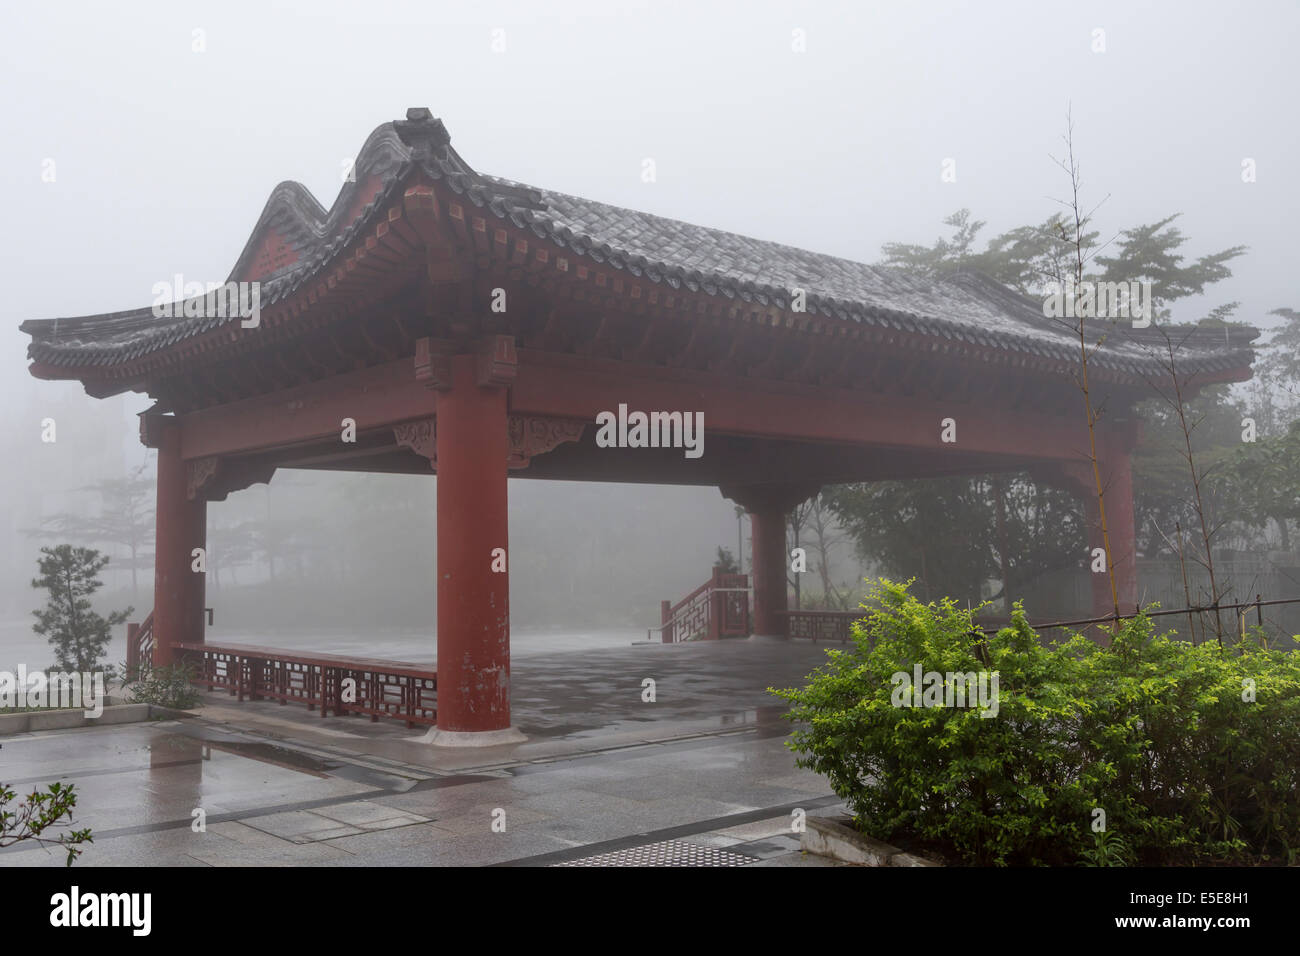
x,y
139,646
822,625
378,689
692,621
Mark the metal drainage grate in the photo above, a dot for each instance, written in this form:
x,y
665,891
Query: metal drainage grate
x,y
666,853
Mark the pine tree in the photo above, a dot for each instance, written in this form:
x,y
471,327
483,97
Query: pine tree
x,y
125,518
78,635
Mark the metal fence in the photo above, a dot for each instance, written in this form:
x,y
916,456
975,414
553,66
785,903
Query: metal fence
x,y
1242,578
1198,623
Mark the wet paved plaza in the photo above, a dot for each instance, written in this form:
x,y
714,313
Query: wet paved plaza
x,y
603,773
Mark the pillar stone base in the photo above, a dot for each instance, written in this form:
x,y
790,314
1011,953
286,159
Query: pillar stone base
x,y
473,738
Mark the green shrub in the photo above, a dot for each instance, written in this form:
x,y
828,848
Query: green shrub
x,y
1153,732
1200,770
164,686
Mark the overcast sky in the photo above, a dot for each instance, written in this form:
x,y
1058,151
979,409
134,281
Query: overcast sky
x,y
164,156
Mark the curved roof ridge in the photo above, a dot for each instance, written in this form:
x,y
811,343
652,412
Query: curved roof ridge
x,y
292,208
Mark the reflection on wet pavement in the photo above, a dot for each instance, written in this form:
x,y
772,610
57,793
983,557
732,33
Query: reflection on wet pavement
x,y
281,786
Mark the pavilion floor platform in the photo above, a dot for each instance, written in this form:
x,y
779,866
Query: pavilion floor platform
x,y
601,770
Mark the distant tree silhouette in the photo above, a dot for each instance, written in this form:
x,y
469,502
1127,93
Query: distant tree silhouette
x,y
125,518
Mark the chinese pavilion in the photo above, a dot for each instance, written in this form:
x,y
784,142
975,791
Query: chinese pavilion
x,y
476,327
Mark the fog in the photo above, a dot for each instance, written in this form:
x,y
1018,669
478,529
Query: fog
x,y
164,158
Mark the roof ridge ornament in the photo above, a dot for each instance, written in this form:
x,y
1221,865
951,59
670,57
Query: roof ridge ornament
x,y
423,133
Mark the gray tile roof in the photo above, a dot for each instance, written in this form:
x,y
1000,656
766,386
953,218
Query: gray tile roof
x,y
962,307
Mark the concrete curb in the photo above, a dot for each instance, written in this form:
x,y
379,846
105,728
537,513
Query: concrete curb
x,y
30,721
835,838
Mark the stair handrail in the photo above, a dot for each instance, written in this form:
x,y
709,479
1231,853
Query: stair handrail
x,y
674,614
140,645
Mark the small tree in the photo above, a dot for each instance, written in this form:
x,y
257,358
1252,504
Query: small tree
x,y
78,635
38,813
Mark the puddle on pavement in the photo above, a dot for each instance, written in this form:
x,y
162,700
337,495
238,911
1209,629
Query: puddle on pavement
x,y
759,716
169,750
178,748
280,756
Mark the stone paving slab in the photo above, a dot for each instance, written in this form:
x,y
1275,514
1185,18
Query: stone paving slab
x,y
715,839
301,826
762,830
515,818
766,849
432,846
369,815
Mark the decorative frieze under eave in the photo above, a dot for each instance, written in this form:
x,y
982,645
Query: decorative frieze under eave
x,y
198,473
528,436
421,437
531,436
213,478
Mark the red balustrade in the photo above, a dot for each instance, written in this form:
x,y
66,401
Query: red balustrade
x,y
139,645
717,608
820,625
393,689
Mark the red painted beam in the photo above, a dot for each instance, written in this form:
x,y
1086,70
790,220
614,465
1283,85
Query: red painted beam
x,y
374,396
742,407
568,388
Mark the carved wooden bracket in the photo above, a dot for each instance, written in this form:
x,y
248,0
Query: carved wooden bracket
x,y
149,431
530,436
213,478
431,367
198,473
235,474
152,427
419,436
497,361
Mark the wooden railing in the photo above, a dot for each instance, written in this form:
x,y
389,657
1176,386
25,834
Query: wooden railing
x,y
821,625
139,645
717,608
342,685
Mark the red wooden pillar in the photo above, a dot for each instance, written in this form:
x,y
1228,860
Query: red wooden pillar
x,y
1120,523
180,526
768,506
1117,492
771,597
473,599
